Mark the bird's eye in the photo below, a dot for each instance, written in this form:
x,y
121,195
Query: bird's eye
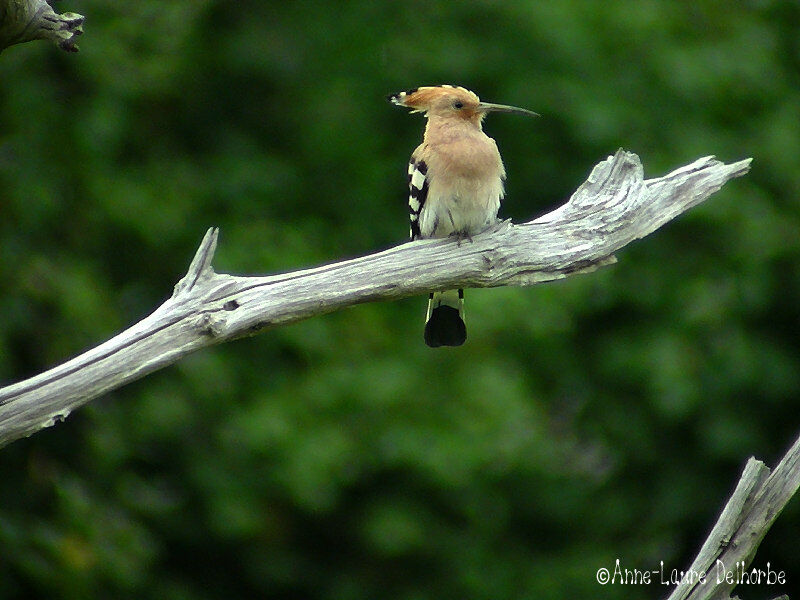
x,y
458,104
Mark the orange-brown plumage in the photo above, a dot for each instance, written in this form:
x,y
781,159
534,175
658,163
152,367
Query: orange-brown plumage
x,y
442,102
455,183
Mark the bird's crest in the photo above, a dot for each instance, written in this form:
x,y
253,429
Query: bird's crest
x,y
422,99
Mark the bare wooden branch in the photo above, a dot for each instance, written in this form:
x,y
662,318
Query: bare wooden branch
x,y
756,502
27,20
611,209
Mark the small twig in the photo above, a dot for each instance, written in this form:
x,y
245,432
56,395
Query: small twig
x,y
201,264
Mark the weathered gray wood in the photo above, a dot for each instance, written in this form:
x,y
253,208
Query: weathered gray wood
x,y
27,20
614,207
756,502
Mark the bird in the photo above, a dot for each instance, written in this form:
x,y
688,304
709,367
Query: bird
x,y
455,185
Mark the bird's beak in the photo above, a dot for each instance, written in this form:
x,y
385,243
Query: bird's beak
x,y
489,107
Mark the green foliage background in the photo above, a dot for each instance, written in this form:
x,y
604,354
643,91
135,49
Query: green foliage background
x,y
604,417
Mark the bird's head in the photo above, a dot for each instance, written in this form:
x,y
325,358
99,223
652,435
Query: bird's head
x,y
451,102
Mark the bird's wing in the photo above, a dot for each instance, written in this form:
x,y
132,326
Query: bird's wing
x,y
417,193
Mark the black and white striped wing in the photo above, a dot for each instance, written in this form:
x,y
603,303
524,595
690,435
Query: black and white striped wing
x,y
417,193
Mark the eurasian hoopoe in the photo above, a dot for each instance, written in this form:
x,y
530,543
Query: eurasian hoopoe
x,y
455,181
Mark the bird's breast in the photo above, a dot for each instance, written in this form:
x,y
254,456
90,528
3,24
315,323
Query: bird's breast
x,y
471,157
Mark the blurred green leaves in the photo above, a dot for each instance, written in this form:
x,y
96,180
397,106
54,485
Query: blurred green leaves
x,y
604,416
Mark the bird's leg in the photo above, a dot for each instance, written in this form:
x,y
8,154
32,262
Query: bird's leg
x,y
461,236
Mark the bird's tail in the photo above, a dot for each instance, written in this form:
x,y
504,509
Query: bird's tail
x,y
445,322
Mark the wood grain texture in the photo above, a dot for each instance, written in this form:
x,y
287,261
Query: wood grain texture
x,y
758,499
615,206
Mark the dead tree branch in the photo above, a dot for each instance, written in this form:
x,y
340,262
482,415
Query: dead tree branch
x,y
756,502
27,20
615,206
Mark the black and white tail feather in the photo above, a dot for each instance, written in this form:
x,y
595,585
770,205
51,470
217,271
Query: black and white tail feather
x,y
444,325
444,322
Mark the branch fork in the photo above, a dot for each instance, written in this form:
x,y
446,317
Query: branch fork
x,y
614,207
